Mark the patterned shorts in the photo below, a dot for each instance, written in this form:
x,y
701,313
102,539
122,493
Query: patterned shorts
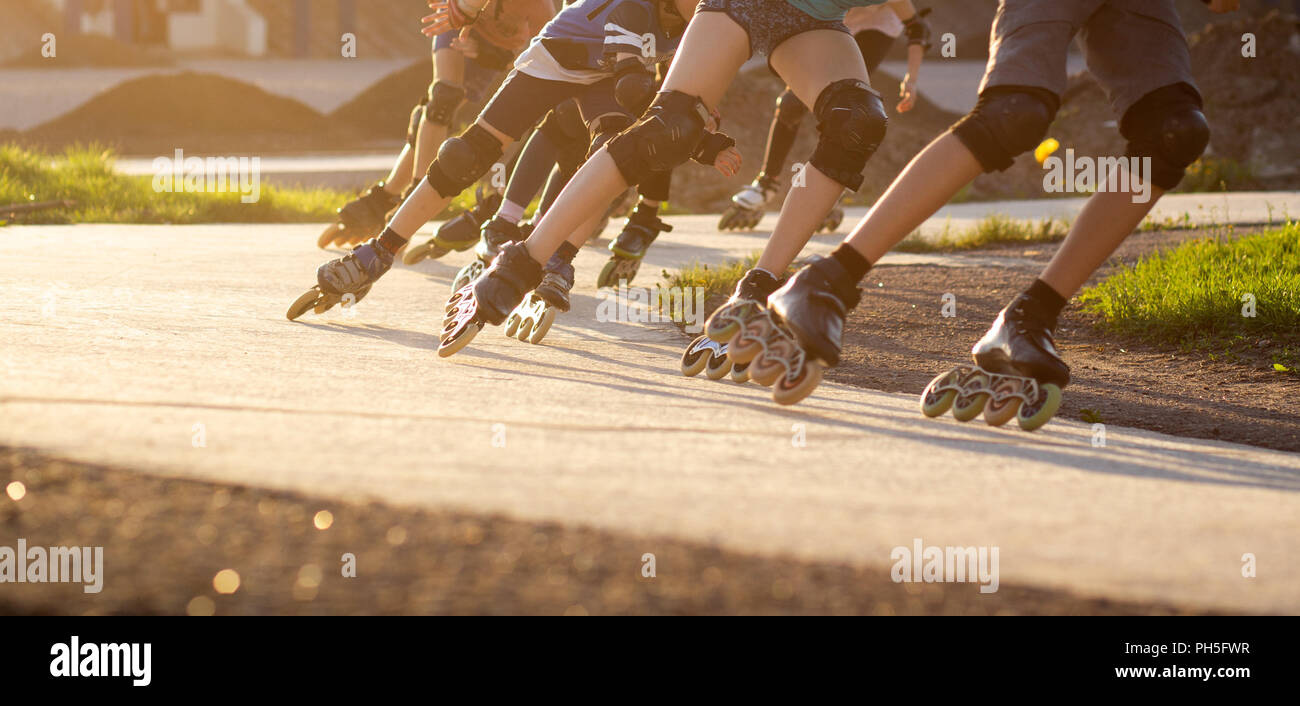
x,y
768,22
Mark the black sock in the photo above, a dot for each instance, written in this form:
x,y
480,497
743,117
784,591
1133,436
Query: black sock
x,y
391,241
567,252
1046,302
852,261
646,209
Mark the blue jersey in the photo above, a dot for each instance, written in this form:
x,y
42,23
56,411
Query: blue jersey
x,y
830,10
587,34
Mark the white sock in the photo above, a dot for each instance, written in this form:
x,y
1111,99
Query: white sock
x,y
510,212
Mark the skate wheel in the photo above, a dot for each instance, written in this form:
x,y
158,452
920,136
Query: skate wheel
x,y
766,369
934,402
791,390
967,407
327,236
303,303
543,325
416,253
525,329
740,373
454,341
325,303
1003,404
747,343
717,365
696,356
512,325
1032,416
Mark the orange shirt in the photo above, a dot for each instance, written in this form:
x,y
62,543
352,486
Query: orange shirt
x,y
510,24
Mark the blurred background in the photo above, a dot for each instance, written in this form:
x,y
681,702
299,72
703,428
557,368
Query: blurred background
x,y
268,77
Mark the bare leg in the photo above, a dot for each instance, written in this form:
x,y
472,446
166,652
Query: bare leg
x,y
808,63
1105,221
712,51
425,202
448,66
927,183
400,176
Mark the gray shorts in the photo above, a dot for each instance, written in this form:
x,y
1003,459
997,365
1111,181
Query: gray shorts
x,y
1132,46
768,22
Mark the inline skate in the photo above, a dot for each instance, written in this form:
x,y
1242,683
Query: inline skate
x,y
747,206
530,321
346,280
457,234
360,219
1017,373
489,299
630,247
497,233
754,338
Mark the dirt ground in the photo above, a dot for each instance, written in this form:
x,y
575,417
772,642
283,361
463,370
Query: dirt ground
x,y
896,341
166,540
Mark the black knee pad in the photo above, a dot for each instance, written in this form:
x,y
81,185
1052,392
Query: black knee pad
x,y
852,121
417,115
462,160
564,124
606,128
1006,121
444,99
668,135
790,111
1167,125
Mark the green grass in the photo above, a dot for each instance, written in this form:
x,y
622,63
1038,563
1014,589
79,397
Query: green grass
x,y
85,175
996,229
1193,295
716,280
1217,174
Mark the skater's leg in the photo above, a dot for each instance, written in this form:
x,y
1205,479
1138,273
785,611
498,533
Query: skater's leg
x,y
824,68
712,51
446,94
790,112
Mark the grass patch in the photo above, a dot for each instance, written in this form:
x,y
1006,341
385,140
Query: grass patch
x,y
1201,295
85,175
716,280
996,229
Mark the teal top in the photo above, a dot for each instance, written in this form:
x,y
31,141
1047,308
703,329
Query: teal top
x,y
830,10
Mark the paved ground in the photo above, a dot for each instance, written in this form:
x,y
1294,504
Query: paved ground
x,y
131,345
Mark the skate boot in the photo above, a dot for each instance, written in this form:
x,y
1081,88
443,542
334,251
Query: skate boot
x,y
497,233
755,339
630,247
1017,373
360,219
746,208
458,234
347,279
813,305
489,299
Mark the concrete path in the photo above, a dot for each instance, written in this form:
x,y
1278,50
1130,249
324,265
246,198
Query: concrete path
x,y
165,350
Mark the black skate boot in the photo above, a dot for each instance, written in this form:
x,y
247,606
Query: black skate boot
x,y
490,298
347,279
1017,373
641,229
360,219
813,305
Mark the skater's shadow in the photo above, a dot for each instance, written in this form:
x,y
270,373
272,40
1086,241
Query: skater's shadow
x,y
402,337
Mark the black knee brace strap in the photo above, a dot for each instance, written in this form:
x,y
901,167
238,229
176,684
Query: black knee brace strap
x,y
605,128
462,160
668,135
852,122
444,99
1167,125
1006,121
